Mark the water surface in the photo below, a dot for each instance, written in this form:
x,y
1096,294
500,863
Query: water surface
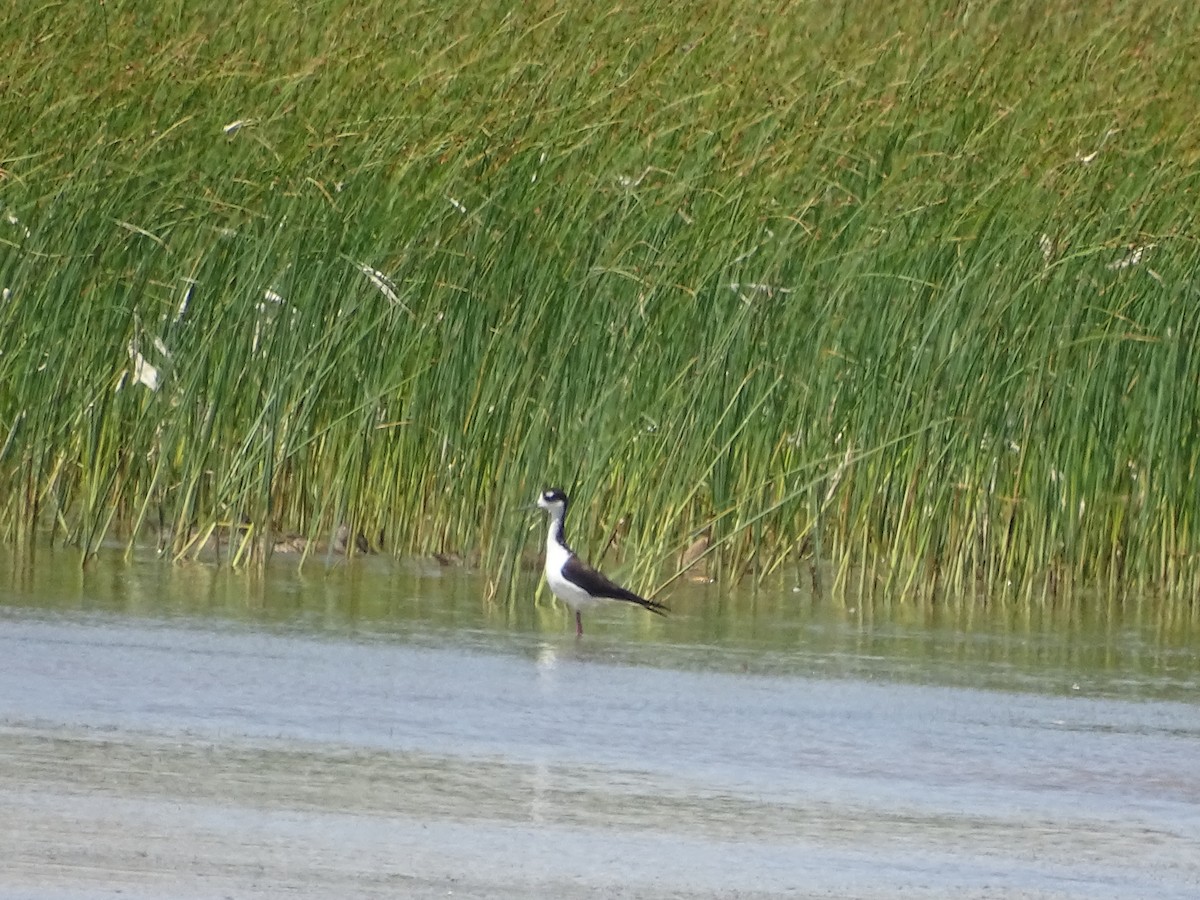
x,y
377,728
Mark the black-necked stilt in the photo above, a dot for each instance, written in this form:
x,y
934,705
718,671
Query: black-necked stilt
x,y
572,580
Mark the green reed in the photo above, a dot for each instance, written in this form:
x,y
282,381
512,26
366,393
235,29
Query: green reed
x,y
910,292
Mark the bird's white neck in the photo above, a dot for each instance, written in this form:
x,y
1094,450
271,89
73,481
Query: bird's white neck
x,y
554,535
557,551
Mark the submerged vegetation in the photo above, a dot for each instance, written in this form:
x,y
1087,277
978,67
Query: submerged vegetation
x,y
907,289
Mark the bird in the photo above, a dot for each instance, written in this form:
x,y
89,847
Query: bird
x,y
572,580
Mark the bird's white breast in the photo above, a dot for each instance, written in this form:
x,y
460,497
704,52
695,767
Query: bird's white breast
x,y
575,597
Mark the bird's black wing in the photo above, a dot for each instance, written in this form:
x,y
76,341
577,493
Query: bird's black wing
x,y
599,585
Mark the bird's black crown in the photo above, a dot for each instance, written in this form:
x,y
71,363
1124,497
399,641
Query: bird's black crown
x,y
554,495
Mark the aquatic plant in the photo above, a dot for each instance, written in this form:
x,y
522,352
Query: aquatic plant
x,y
906,292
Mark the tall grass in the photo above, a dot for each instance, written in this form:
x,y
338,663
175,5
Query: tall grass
x,y
911,290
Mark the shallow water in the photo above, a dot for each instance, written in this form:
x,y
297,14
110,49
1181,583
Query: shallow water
x,y
378,729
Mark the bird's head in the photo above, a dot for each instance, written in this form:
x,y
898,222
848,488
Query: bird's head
x,y
553,500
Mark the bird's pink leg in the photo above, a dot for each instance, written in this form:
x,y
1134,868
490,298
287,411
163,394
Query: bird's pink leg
x,y
578,624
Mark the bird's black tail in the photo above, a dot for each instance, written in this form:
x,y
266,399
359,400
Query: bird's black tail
x,y
653,606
